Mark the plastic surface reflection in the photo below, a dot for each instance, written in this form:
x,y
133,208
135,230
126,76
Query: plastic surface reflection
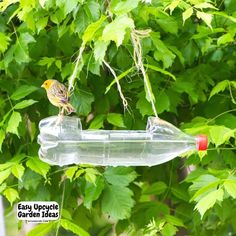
x,y
63,142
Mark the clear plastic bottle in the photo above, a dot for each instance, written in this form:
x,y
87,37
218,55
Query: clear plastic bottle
x,y
63,142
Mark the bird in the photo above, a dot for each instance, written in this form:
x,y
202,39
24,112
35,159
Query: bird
x,y
58,95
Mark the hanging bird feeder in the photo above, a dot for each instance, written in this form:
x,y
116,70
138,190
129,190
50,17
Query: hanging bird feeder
x,y
64,142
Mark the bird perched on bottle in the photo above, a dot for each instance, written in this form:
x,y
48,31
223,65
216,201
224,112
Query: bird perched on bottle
x,y
57,94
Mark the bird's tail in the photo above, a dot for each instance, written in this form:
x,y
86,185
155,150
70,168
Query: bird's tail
x,y
69,108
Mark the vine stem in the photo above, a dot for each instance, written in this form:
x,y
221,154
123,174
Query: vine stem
x,y
221,114
62,200
124,101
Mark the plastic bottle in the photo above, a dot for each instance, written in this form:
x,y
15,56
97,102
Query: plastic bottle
x,y
63,142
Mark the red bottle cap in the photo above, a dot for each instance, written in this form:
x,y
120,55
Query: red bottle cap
x,y
202,142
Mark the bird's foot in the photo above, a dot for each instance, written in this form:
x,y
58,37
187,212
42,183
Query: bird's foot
x,y
59,119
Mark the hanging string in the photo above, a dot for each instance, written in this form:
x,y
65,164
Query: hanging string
x,y
71,80
135,36
124,101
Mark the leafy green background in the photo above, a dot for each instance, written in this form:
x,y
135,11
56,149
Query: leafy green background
x,y
175,56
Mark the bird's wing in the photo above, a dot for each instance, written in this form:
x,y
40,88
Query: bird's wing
x,y
60,91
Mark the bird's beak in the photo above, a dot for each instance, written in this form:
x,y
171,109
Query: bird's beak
x,y
42,86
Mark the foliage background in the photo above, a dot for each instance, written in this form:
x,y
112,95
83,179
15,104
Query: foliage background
x,y
187,70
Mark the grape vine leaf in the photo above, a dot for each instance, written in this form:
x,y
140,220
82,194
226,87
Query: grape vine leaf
x,y
116,30
120,176
13,123
117,201
209,201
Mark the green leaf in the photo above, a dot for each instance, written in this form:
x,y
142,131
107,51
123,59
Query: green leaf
x,y
225,15
4,174
97,122
11,194
4,42
174,220
162,53
143,105
115,119
168,24
121,76
220,134
155,188
18,170
220,87
94,8
203,191
2,137
70,172
148,90
190,53
117,201
47,61
120,176
228,120
3,187
38,166
13,123
225,38
65,8
69,6
79,173
164,72
66,214
122,7
169,230
5,4
206,17
58,64
5,165
200,180
83,101
93,191
41,23
233,83
30,180
230,187
92,29
94,67
21,54
209,201
180,193
24,104
116,30
204,5
172,6
163,102
42,229
91,175
100,48
21,48
69,225
187,13
18,158
23,91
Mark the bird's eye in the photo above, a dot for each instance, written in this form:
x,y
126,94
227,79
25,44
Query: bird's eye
x,y
46,83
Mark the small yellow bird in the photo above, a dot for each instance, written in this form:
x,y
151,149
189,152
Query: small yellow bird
x,y
57,94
